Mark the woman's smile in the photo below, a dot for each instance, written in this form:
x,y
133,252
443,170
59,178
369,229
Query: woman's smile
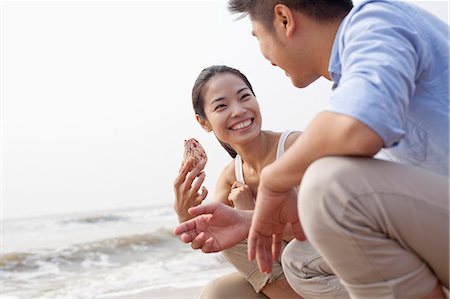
x,y
244,124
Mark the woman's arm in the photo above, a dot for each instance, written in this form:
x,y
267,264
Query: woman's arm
x,y
223,185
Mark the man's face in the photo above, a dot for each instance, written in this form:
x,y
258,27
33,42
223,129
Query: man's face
x,y
295,57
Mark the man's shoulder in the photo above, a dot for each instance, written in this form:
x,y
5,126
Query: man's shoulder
x,y
372,14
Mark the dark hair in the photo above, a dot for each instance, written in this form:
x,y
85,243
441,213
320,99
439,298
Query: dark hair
x,y
263,10
197,93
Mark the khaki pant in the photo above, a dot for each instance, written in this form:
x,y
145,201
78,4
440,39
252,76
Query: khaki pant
x,y
315,278
382,227
308,273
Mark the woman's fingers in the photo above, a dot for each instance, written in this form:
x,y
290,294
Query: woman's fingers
x,y
236,184
194,173
198,183
181,177
201,197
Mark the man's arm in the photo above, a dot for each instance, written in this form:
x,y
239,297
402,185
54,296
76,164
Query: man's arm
x,y
329,134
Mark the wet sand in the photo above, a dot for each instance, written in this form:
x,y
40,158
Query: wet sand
x,y
162,293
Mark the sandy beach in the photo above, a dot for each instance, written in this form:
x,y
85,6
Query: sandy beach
x,y
162,293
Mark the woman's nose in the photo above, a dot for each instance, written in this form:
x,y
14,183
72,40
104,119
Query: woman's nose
x,y
238,110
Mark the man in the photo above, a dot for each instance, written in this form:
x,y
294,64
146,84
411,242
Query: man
x,y
382,226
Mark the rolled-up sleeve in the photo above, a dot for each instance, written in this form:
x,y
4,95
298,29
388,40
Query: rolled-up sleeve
x,y
381,59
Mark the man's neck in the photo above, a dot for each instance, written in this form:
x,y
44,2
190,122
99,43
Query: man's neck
x,y
328,36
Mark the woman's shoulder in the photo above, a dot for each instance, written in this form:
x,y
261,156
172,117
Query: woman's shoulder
x,y
227,176
291,138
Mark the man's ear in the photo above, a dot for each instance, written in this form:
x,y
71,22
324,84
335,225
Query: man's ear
x,y
284,19
204,123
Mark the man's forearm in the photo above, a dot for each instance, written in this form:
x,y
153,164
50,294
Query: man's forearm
x,y
329,134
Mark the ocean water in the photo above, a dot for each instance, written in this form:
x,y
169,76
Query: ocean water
x,y
98,255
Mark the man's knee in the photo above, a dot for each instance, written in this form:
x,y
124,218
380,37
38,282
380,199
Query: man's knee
x,y
300,260
322,188
308,273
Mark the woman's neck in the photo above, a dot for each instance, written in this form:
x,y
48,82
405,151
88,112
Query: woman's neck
x,y
259,152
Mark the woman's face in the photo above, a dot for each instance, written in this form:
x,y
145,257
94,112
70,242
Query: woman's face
x,y
231,109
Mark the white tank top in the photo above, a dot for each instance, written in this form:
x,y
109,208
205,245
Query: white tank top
x,y
238,161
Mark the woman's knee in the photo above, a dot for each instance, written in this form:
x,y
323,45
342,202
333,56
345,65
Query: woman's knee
x,y
230,286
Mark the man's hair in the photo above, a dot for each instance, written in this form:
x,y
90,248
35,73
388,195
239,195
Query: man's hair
x,y
263,10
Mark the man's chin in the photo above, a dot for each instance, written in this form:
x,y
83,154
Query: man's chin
x,y
301,83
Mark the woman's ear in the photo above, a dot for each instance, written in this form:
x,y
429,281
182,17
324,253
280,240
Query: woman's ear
x,y
284,19
204,123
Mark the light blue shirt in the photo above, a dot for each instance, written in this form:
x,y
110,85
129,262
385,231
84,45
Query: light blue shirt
x,y
390,66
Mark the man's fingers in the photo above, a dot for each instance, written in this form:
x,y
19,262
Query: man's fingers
x,y
251,250
298,231
276,246
264,254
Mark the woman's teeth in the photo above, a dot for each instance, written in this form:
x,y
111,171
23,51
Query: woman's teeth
x,y
242,125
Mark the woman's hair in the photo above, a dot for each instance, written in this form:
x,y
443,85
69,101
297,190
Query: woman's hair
x,y
263,10
197,93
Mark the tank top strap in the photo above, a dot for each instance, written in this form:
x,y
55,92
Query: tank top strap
x,y
281,141
238,169
238,172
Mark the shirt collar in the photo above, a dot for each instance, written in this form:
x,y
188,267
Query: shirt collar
x,y
335,66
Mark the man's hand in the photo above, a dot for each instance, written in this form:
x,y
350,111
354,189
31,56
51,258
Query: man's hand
x,y
273,211
215,227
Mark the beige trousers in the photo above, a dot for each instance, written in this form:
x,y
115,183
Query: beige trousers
x,y
382,227
308,273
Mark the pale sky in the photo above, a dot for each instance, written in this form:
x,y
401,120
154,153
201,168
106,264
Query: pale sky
x,y
96,98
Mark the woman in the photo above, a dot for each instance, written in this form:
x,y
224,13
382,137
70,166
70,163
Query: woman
x,y
225,104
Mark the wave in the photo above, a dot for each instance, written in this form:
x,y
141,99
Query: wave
x,y
103,251
95,219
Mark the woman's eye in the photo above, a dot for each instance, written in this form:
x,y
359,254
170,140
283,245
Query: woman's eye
x,y
246,97
219,107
